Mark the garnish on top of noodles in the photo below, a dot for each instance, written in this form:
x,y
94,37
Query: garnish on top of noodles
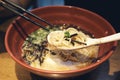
x,y
69,37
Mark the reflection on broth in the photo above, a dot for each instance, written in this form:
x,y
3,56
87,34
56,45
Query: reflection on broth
x,y
40,54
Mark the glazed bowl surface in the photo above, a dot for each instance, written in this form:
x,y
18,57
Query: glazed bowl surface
x,y
86,19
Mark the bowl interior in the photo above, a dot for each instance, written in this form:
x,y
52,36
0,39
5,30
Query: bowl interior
x,y
87,20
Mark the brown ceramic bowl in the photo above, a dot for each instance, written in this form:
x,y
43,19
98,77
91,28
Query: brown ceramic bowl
x,y
88,21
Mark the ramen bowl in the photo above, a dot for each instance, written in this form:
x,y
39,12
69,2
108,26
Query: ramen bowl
x,y
87,20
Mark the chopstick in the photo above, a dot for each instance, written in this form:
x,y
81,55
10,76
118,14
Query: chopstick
x,y
9,5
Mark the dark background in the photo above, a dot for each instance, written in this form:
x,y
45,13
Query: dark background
x,y
109,9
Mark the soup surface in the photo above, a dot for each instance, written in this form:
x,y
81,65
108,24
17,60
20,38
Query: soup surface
x,y
38,53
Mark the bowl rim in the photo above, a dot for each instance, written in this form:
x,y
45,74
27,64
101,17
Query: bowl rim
x,y
66,71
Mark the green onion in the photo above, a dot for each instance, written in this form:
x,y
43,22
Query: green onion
x,y
67,34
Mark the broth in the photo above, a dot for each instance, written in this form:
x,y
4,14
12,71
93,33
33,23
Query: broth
x,y
39,54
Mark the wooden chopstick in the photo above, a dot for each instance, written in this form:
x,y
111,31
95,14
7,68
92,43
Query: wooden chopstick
x,y
7,4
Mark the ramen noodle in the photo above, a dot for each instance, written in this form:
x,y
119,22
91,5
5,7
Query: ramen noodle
x,y
38,53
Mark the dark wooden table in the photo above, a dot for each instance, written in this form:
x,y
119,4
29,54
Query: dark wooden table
x,y
9,70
